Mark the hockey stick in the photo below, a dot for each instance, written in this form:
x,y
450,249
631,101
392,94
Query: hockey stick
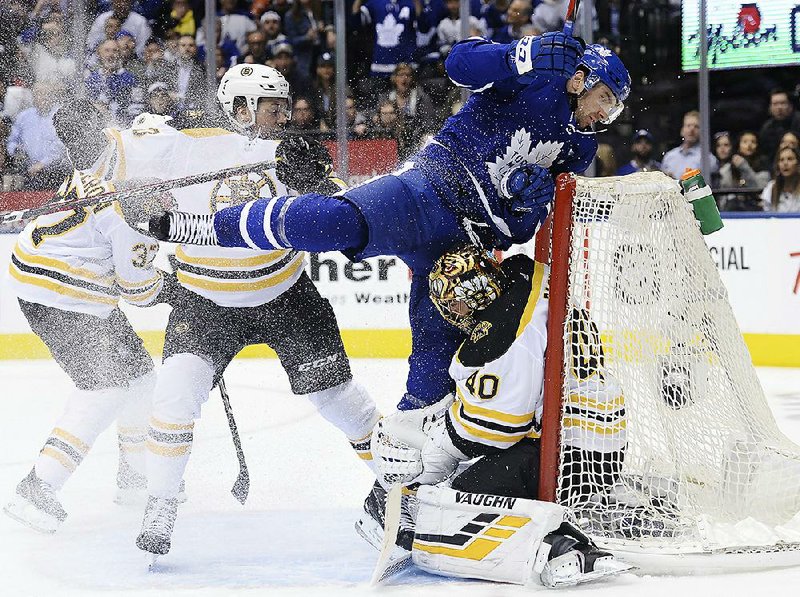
x,y
386,565
241,487
139,192
569,20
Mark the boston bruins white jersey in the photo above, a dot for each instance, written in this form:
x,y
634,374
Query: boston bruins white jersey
x,y
86,259
499,373
230,277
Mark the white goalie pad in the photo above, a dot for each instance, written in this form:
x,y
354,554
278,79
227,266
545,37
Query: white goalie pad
x,y
472,535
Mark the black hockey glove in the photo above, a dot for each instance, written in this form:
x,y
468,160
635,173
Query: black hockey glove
x,y
551,54
303,164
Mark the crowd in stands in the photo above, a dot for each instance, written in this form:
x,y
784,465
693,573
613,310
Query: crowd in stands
x,y
148,56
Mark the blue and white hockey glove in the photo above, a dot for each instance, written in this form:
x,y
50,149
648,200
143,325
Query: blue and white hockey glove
x,y
527,189
552,54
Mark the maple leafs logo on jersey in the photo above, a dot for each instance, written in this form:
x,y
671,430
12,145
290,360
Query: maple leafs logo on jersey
x,y
389,32
521,151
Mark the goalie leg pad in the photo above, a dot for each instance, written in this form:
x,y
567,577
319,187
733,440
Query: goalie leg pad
x,y
472,535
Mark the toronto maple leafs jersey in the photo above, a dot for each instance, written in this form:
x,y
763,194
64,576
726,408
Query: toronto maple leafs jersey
x,y
506,123
396,26
499,372
230,277
86,259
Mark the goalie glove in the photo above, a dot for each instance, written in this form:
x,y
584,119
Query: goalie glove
x,y
398,440
303,164
551,54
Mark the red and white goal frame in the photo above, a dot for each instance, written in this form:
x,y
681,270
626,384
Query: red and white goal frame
x,y
707,480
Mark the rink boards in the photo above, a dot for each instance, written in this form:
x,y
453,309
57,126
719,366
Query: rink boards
x,y
758,258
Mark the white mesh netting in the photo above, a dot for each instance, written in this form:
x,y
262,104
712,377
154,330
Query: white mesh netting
x,y
691,460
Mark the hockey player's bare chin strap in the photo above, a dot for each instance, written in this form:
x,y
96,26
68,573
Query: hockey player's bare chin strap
x,y
310,222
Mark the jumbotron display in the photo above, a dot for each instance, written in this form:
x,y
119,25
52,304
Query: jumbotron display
x,y
742,34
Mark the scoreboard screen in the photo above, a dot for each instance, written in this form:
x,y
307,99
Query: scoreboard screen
x,y
742,34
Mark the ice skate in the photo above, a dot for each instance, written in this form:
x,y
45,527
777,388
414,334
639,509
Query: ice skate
x,y
35,504
159,520
370,522
572,561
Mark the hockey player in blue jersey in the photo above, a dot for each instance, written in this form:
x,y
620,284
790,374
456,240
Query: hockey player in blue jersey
x,y
486,178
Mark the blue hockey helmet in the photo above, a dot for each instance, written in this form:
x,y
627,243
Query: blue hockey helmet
x,y
604,66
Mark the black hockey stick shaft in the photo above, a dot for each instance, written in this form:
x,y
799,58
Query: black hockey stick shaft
x,y
142,191
241,487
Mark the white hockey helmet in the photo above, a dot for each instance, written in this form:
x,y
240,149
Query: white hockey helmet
x,y
251,82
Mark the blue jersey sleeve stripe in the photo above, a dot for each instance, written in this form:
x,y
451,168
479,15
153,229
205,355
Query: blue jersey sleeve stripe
x,y
226,227
250,224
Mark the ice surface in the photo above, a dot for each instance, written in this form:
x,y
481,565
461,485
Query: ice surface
x,y
295,535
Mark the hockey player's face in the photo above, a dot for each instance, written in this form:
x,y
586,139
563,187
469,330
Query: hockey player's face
x,y
595,105
271,116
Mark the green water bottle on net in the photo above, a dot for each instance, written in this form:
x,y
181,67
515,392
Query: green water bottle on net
x,y
699,195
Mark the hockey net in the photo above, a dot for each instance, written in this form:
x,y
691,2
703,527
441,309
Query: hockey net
x,y
691,460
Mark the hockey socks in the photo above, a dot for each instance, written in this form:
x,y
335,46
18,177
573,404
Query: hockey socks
x,y
310,222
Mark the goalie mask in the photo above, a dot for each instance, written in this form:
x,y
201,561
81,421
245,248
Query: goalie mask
x,y
251,82
604,66
462,281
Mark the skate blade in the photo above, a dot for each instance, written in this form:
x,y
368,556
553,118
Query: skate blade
x,y
370,531
612,569
151,559
26,513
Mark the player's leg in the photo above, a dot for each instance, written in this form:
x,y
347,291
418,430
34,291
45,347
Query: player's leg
x,y
201,339
301,327
102,357
433,344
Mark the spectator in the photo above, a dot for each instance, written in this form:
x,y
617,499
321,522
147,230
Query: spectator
x,y
157,68
356,121
283,61
182,17
324,86
783,193
110,84
229,48
128,58
723,151
789,140
159,100
36,151
256,48
448,30
112,28
13,19
642,150
51,58
236,24
304,29
394,24
271,26
427,56
191,86
281,7
386,124
129,21
518,22
414,106
687,154
304,117
783,119
743,170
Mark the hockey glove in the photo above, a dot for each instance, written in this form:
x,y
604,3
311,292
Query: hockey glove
x,y
527,189
551,54
303,164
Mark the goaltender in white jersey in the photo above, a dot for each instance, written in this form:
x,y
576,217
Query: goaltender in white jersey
x,y
487,522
